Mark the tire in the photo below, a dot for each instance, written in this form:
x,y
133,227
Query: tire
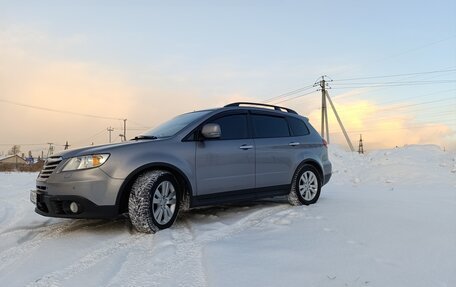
x,y
154,201
305,187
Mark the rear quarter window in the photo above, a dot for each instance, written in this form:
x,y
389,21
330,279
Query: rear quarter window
x,y
298,127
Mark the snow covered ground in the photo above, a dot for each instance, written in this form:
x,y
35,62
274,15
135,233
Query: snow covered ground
x,y
387,218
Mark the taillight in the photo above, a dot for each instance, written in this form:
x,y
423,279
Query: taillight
x,y
325,143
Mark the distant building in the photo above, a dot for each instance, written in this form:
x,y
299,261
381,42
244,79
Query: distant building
x,y
12,159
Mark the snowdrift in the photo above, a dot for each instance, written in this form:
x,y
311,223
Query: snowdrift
x,y
387,218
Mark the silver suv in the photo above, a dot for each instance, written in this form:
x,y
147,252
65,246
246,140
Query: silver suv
x,y
240,152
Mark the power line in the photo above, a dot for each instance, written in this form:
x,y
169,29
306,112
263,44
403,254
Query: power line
x,y
25,144
289,93
402,99
91,137
138,125
397,75
417,104
391,56
396,85
385,110
442,117
422,96
58,111
289,99
401,128
385,87
398,82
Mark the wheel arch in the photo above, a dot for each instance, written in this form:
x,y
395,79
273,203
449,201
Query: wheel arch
x,y
124,191
314,164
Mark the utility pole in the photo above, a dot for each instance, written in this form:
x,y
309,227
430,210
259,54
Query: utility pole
x,y
324,110
340,124
125,130
360,145
66,145
110,129
50,150
124,135
324,113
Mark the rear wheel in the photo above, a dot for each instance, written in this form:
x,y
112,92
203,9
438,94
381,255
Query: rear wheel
x,y
306,186
154,201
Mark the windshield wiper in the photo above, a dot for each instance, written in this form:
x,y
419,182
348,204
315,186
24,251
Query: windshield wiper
x,y
141,137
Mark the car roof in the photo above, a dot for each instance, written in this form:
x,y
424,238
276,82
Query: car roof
x,y
262,106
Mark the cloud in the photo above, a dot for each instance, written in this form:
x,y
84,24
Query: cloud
x,y
67,85
35,71
30,74
380,126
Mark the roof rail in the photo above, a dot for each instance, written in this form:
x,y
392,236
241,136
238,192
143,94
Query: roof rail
x,y
277,108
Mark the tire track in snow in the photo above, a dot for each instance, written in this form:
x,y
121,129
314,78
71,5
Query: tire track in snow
x,y
174,260
42,234
251,220
184,265
12,212
18,229
93,256
6,210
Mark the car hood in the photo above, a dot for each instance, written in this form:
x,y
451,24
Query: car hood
x,y
107,148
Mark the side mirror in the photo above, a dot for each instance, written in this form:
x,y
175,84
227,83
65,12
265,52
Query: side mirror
x,y
211,131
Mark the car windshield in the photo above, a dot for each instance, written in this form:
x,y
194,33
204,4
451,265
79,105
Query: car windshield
x,y
172,126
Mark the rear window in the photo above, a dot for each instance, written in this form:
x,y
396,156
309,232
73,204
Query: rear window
x,y
269,126
298,127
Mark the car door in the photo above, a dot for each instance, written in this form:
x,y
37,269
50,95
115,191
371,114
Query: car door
x,y
226,163
274,149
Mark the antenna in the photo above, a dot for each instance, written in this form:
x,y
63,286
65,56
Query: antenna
x,y
360,145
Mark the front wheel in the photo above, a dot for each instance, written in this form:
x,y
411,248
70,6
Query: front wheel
x,y
305,187
154,201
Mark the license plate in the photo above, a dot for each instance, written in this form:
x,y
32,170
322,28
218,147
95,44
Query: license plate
x,y
33,197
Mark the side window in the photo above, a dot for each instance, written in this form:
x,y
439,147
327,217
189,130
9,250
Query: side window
x,y
233,127
269,126
298,127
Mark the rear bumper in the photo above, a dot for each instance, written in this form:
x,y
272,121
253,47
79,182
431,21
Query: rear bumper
x,y
327,177
59,206
327,171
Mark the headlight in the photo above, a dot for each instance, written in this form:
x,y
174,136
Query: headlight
x,y
84,162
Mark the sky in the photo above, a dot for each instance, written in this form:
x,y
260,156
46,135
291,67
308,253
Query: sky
x,y
71,69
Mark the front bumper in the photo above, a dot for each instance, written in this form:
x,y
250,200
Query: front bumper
x,y
59,206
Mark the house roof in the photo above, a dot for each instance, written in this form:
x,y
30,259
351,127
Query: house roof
x,y
9,156
2,157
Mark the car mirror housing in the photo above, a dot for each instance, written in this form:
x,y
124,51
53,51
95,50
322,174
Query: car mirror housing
x,y
211,131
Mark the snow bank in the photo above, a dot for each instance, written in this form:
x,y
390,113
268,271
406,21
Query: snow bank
x,y
387,218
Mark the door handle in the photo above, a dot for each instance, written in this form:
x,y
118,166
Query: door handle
x,y
246,147
294,144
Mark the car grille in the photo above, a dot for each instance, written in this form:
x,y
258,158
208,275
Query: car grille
x,y
49,167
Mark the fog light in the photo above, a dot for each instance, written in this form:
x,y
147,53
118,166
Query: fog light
x,y
74,207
